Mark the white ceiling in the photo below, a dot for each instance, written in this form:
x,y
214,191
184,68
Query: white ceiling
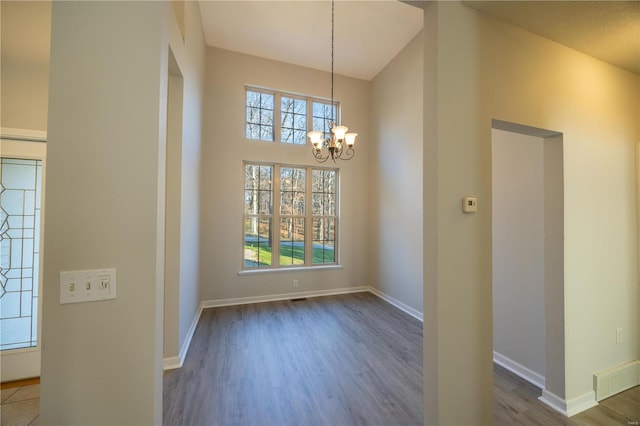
x,y
370,33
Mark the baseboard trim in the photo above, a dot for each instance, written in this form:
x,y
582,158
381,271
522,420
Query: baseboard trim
x,y
398,304
519,370
285,296
554,401
173,362
581,403
616,379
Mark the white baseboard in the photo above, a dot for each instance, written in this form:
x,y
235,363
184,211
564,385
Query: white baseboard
x,y
520,370
616,379
581,403
554,401
398,304
173,362
284,296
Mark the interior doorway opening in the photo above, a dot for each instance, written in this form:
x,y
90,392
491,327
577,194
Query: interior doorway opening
x,y
528,256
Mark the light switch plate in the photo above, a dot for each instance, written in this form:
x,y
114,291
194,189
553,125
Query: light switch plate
x,y
87,286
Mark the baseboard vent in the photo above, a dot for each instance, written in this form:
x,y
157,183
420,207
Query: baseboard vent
x,y
617,379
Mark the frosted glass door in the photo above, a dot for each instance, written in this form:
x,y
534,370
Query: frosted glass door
x,y
20,198
22,183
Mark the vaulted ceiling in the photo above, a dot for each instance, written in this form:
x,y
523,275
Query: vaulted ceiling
x,y
370,33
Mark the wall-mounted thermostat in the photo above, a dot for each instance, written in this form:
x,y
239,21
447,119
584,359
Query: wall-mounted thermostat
x,y
469,204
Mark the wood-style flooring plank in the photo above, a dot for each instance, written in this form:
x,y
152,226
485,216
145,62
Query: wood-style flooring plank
x,y
337,360
516,403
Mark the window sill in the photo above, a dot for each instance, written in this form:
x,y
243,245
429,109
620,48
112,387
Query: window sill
x,y
295,269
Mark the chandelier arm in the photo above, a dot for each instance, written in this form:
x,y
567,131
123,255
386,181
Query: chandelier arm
x,y
317,154
347,154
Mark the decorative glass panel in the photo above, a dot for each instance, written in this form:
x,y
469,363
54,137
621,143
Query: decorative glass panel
x,y
20,193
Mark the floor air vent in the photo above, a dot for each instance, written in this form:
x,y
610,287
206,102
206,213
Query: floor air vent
x,y
300,299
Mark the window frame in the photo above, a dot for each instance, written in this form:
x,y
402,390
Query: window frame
x,y
276,217
277,112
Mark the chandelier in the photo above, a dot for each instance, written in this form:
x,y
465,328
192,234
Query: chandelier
x,y
339,145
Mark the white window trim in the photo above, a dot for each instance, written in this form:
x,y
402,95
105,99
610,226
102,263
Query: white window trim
x,y
275,224
277,112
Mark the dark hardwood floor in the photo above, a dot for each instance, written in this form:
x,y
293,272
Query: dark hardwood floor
x,y
337,360
516,403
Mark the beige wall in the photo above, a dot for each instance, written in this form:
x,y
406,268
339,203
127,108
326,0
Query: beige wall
x,y
102,361
488,69
518,248
24,64
225,148
396,184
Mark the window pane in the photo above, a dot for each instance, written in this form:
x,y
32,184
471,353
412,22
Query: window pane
x,y
257,242
266,101
323,115
329,205
266,133
286,203
292,191
266,118
251,176
293,120
264,202
323,240
323,186
250,201
259,115
265,177
292,241
253,131
299,137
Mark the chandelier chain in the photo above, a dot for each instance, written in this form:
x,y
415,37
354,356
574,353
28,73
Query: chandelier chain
x,y
332,55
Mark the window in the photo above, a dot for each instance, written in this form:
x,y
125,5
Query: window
x,y
294,120
324,215
298,115
296,227
260,107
